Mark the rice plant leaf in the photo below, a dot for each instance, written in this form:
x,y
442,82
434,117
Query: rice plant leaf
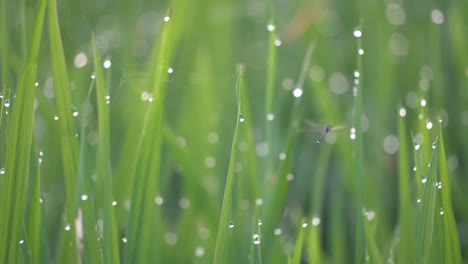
x,y
67,131
360,241
34,220
222,235
406,201
15,177
297,255
425,227
451,244
143,213
110,245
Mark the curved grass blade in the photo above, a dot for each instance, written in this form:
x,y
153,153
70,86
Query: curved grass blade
x,y
277,196
35,215
425,227
68,140
297,255
86,217
110,246
143,213
451,244
14,183
222,239
406,200
360,241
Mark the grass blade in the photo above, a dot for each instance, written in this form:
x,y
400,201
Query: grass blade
x,y
68,141
360,243
35,214
110,246
425,228
451,244
14,182
297,255
221,239
406,200
145,187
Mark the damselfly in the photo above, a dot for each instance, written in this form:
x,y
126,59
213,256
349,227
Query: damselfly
x,y
325,129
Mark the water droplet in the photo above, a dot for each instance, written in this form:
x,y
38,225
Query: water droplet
x,y
355,91
213,137
21,242
270,117
93,75
290,177
40,200
36,84
74,112
1,95
437,16
262,149
231,224
2,171
259,201
441,211
297,92
277,42
170,238
391,144
370,215
423,180
360,51
423,102
107,64
429,124
270,27
56,117
167,18
67,227
199,252
84,197
402,112
159,200
417,146
184,203
6,103
304,225
418,200
357,32
277,231
107,97
259,222
282,156
256,239
170,70
356,74
114,203
415,168
316,221
210,162
434,145
241,118
80,60
439,185
124,240
181,141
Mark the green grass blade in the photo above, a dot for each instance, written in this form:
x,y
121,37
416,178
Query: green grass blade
x,y
35,215
297,255
14,182
270,85
313,242
277,196
425,227
360,242
406,200
68,141
451,244
110,246
4,44
86,216
143,213
222,235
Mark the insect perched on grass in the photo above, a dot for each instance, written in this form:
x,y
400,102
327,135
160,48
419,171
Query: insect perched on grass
x,y
325,129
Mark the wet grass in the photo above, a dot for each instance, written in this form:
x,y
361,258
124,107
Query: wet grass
x,y
175,133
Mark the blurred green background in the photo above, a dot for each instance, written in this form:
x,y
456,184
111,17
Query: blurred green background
x,y
415,58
